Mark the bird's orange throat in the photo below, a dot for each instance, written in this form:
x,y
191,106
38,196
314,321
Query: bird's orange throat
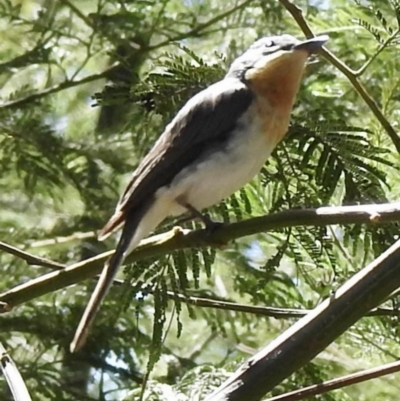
x,y
278,80
276,85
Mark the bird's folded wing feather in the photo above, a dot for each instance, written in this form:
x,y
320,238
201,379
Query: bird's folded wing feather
x,y
209,116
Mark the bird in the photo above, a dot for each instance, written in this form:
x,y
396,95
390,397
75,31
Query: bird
x,y
217,142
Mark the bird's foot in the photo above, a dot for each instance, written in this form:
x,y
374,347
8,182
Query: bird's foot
x,y
210,225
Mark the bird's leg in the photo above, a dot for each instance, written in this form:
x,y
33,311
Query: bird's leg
x,y
205,218
184,219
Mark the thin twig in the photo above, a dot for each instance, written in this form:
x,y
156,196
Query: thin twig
x,y
277,313
29,258
70,83
348,72
57,88
201,27
380,49
62,240
340,382
77,12
183,239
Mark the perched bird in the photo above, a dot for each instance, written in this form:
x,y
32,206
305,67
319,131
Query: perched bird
x,y
217,142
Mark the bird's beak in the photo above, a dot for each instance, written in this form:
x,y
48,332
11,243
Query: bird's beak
x,y
312,45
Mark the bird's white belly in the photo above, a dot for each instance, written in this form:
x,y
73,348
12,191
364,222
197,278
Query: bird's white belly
x,y
222,174
217,175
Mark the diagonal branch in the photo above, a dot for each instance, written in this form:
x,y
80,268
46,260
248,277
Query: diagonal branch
x,y
202,302
183,239
380,49
349,73
277,313
57,88
77,12
267,311
28,257
312,334
339,382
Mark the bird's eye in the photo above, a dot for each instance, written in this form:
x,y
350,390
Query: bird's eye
x,y
287,47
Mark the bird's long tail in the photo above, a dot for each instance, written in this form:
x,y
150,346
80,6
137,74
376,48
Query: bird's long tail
x,y
132,233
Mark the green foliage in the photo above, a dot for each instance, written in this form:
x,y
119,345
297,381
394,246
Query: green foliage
x,y
170,82
381,16
193,386
86,88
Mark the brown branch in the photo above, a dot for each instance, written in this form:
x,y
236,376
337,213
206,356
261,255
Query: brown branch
x,y
202,302
77,12
277,313
57,88
348,72
298,345
29,258
78,236
183,239
340,382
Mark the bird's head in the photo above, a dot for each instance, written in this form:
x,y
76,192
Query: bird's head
x,y
273,66
272,53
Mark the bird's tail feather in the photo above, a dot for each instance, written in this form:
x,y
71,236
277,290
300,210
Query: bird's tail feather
x,y
130,238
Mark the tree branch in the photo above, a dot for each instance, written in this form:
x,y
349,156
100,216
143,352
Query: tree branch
x,y
202,302
349,73
77,12
339,382
70,83
201,27
78,236
381,48
312,334
277,313
57,88
267,311
183,239
29,258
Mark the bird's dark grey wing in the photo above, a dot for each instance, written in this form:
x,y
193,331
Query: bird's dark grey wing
x,y
206,119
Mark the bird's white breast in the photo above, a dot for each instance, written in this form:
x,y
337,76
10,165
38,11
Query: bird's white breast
x,y
217,175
